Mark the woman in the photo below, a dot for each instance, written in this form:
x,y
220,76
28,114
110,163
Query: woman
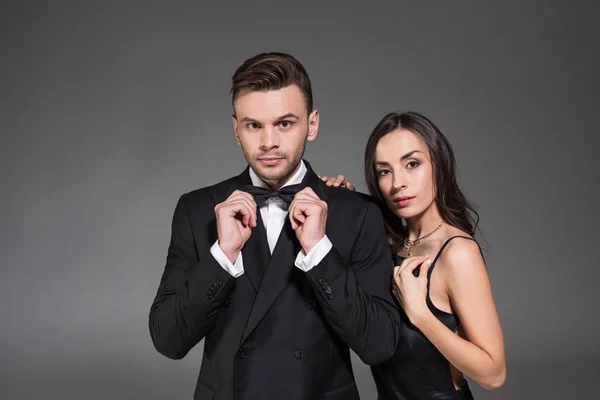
x,y
440,279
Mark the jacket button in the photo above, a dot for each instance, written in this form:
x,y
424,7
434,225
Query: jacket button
x,y
227,302
242,353
310,304
218,283
298,354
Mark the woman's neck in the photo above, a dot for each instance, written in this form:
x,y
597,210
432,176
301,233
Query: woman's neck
x,y
424,223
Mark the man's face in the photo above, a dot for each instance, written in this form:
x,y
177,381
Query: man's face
x,y
273,127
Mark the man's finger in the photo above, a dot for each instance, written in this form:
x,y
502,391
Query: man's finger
x,y
237,193
239,211
243,207
305,197
251,204
307,191
295,215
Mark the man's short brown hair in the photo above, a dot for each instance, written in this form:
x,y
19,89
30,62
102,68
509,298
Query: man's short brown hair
x,y
271,71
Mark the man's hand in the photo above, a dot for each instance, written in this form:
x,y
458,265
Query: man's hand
x,y
236,217
308,215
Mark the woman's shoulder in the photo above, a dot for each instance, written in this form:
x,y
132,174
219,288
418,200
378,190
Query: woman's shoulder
x,y
459,250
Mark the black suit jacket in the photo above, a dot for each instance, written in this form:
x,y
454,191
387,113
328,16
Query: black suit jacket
x,y
277,332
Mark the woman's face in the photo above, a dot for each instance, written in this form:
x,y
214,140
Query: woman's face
x,y
405,173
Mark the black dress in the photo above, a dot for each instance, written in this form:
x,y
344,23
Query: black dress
x,y
418,371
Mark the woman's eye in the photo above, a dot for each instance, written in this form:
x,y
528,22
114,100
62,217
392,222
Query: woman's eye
x,y
382,172
413,164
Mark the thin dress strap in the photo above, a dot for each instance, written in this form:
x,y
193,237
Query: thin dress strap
x,y
436,258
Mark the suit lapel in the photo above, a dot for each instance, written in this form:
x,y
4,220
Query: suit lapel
x,y
281,266
256,253
275,278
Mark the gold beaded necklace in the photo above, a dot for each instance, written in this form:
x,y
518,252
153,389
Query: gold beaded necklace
x,y
409,244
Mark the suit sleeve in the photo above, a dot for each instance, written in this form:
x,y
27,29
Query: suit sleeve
x,y
356,295
192,290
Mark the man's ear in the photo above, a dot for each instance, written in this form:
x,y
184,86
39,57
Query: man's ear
x,y
313,125
235,128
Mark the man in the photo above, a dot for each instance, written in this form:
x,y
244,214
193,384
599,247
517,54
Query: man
x,y
279,292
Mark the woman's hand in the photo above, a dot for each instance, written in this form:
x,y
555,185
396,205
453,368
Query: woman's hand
x,y
339,181
411,290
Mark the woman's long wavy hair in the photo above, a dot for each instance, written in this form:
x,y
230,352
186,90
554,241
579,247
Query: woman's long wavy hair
x,y
454,207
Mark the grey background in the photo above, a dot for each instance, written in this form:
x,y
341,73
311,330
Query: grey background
x,y
110,110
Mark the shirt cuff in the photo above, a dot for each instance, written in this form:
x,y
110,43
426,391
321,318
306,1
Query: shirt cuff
x,y
236,269
314,256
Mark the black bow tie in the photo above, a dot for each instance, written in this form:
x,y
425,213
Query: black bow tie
x,y
286,193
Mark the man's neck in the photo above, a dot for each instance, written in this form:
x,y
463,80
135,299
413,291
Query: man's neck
x,y
294,178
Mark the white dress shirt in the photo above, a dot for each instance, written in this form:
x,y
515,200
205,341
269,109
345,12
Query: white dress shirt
x,y
273,213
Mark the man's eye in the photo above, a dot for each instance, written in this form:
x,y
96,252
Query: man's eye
x,y
285,124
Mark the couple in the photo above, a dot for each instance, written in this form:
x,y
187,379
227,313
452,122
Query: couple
x,y
282,271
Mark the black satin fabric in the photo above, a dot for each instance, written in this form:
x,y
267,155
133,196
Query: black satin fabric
x,y
418,371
